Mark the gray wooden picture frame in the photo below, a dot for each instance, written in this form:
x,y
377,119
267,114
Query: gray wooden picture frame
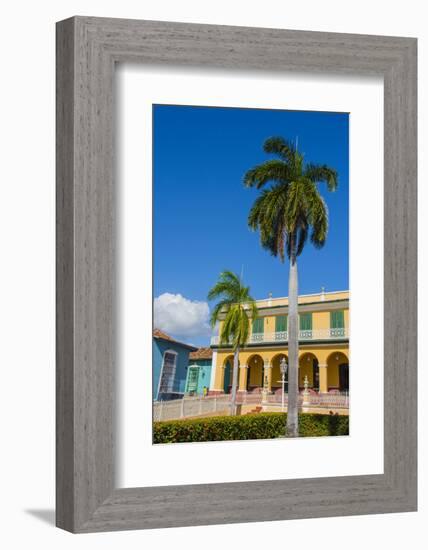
x,y
87,50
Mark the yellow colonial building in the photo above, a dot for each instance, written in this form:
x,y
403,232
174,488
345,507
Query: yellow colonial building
x,y
323,347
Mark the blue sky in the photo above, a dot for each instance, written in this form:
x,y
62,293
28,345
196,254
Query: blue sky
x,y
200,206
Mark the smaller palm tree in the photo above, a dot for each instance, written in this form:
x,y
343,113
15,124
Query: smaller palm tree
x,y
234,308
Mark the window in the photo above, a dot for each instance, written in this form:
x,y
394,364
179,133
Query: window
x,y
305,325
258,326
337,324
281,327
166,383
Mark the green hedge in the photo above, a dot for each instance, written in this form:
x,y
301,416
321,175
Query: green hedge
x,y
251,426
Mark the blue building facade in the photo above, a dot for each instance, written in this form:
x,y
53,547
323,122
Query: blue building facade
x,y
199,372
170,366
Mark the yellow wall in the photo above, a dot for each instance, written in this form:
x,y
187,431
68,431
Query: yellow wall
x,y
320,319
306,369
346,315
328,356
256,372
322,353
270,355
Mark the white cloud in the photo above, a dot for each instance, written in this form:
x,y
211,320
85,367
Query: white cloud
x,y
180,317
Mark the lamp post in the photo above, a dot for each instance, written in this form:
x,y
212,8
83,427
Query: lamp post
x,y
283,367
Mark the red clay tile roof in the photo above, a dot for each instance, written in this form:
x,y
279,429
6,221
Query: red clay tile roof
x,y
157,333
201,353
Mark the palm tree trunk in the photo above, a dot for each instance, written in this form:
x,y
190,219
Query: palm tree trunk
x,y
234,382
293,346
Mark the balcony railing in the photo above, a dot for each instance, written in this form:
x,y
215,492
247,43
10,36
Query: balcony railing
x,y
304,335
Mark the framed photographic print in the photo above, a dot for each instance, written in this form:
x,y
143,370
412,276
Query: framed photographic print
x,y
236,274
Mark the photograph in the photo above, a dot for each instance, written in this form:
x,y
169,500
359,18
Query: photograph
x,y
251,299
210,275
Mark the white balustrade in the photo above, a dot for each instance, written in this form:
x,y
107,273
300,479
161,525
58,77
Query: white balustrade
x,y
188,407
304,335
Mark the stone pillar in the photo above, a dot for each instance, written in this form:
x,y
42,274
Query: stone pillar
x,y
213,374
323,378
305,402
243,374
267,380
268,375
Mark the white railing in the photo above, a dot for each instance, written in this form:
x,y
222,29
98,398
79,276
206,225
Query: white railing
x,y
304,335
338,400
188,407
333,400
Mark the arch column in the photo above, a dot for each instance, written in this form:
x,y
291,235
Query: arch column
x,y
218,376
322,369
267,376
243,377
217,388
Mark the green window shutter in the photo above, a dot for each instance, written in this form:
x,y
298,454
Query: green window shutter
x,y
337,323
258,325
305,320
192,379
337,319
281,323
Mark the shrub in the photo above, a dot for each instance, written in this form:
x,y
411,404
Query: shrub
x,y
251,426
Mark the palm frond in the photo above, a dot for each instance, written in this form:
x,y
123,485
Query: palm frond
x,y
292,208
254,312
228,285
221,307
302,237
231,277
319,224
322,174
257,212
271,170
266,215
243,332
227,329
235,299
280,146
317,214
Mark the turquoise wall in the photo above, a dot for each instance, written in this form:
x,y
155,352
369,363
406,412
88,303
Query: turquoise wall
x,y
158,349
204,377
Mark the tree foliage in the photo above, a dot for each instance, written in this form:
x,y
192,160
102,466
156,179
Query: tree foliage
x,y
291,209
235,307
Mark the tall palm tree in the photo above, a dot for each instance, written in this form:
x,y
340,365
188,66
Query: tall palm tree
x,y
235,308
286,213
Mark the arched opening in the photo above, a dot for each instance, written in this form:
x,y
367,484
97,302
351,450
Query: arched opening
x,y
227,374
255,373
308,366
338,372
276,373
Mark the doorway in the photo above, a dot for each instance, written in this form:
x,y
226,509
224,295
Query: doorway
x,y
344,377
226,384
316,375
